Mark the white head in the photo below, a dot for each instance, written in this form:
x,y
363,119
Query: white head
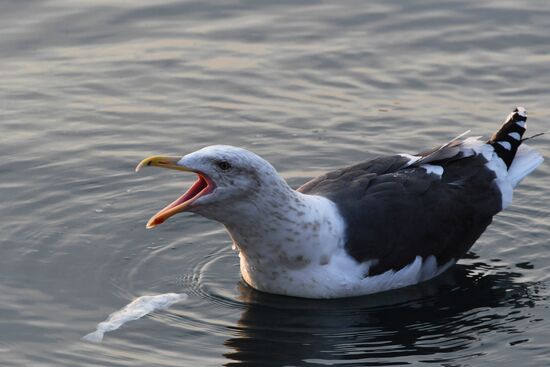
x,y
228,177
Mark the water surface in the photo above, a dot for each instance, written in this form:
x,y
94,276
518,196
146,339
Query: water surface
x,y
90,88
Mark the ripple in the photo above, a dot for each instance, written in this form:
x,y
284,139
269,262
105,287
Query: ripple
x,y
91,89
444,316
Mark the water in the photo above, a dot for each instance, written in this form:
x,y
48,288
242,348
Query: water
x,y
90,88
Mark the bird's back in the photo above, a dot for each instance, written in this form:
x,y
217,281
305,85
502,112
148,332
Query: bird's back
x,y
433,204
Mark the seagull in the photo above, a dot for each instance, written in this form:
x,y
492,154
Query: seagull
x,y
383,224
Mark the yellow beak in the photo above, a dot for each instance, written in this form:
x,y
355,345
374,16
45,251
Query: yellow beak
x,y
164,162
202,186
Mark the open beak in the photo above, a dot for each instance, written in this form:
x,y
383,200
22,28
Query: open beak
x,y
203,186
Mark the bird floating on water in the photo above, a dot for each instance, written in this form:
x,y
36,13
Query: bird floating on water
x,y
383,224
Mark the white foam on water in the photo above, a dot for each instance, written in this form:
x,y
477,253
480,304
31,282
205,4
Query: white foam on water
x,y
136,309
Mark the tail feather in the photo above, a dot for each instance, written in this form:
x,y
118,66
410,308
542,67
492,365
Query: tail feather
x,y
526,161
508,138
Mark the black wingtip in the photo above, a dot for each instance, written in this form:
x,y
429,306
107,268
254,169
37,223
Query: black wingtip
x,y
508,138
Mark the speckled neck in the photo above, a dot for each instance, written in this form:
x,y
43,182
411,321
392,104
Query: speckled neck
x,y
282,234
277,223
286,240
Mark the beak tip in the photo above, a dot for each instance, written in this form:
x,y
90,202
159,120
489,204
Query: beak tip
x,y
140,165
153,222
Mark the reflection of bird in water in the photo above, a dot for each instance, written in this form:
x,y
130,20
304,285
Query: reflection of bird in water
x,y
390,328
383,224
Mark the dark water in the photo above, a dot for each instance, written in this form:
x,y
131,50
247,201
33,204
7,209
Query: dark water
x,y
89,88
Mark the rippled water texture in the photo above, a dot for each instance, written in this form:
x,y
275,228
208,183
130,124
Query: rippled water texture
x,y
89,88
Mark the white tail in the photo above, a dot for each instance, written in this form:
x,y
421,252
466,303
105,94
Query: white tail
x,y
526,161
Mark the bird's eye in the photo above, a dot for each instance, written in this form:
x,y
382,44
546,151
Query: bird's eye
x,y
224,165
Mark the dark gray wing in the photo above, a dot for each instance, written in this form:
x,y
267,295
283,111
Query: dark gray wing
x,y
396,212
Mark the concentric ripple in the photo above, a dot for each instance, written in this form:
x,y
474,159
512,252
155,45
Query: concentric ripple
x,y
445,320
89,88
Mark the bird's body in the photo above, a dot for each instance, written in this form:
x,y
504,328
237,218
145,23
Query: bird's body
x,y
387,223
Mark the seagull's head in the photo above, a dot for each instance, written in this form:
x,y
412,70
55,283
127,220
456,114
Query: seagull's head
x,y
225,175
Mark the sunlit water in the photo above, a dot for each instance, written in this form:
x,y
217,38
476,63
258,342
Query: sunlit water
x,y
89,88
